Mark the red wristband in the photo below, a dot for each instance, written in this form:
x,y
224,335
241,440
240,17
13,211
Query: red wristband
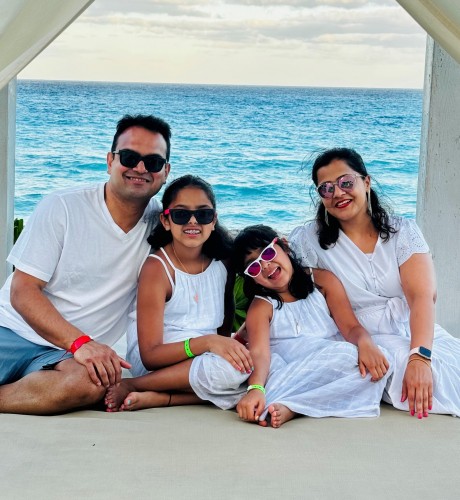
x,y
77,343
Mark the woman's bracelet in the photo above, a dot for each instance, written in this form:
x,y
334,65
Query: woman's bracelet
x,y
421,360
256,386
187,349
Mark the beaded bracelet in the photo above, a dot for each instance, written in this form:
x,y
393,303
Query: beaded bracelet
x,y
187,349
256,386
77,343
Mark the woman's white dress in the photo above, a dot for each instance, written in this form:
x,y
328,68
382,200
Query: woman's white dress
x,y
196,308
373,285
310,372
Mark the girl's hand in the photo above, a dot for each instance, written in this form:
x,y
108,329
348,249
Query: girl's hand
x,y
251,406
231,350
371,359
418,387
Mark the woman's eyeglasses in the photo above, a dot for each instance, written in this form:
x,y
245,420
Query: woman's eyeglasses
x,y
131,159
344,182
182,216
266,255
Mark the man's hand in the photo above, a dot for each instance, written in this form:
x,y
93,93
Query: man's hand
x,y
103,363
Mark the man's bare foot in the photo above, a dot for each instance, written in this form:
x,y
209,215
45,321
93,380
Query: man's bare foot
x,y
279,414
147,399
116,394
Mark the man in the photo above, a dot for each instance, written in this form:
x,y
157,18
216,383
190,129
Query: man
x,y
76,266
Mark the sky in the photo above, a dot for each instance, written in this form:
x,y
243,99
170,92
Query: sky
x,y
320,43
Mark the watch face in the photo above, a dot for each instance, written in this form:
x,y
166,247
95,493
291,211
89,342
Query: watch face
x,y
424,352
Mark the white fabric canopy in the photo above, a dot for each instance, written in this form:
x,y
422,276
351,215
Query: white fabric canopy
x,y
440,19
28,26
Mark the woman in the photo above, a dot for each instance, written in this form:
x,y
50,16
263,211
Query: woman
x,y
385,266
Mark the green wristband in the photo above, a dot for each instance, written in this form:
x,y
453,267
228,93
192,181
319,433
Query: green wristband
x,y
187,349
256,386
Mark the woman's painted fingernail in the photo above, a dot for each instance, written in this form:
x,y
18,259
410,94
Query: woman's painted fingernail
x,y
430,407
419,416
128,402
412,412
425,414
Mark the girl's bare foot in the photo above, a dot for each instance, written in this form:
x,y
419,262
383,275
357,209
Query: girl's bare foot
x,y
116,394
147,399
279,414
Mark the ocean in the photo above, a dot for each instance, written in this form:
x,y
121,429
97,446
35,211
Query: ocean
x,y
253,144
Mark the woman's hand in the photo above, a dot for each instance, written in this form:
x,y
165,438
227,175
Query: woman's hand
x,y
251,406
371,359
231,350
418,386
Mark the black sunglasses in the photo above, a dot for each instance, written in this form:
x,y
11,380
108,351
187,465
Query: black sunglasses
x,y
130,159
182,216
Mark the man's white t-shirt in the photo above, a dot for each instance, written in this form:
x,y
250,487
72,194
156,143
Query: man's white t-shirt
x,y
90,264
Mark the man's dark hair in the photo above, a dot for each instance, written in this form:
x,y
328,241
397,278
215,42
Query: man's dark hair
x,y
149,122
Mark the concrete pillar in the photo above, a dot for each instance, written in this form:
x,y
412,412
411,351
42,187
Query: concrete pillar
x,y
7,158
438,199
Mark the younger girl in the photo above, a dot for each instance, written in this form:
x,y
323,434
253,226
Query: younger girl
x,y
185,296
300,368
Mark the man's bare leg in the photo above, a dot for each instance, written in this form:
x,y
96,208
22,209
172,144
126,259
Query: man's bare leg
x,y
48,392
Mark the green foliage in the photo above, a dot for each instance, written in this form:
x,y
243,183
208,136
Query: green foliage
x,y
241,303
18,227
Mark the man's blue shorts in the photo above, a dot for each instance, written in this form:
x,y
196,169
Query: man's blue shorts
x,y
19,357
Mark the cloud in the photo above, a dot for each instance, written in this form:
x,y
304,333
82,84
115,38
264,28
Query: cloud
x,y
219,41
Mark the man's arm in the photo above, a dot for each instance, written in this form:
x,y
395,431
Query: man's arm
x,y
27,298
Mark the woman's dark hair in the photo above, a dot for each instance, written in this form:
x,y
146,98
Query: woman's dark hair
x,y
218,246
329,233
258,237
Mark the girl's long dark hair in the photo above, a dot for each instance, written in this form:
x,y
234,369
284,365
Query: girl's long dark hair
x,y
257,238
218,246
329,233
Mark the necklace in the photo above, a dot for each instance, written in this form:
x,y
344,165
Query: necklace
x,y
196,296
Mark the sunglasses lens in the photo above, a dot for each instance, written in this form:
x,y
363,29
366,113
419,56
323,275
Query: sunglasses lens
x,y
254,269
268,254
129,159
180,216
154,163
326,190
204,216
346,183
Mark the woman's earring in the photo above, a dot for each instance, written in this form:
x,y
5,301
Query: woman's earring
x,y
326,218
369,204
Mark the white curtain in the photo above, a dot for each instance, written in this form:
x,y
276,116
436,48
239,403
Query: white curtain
x,y
28,26
440,19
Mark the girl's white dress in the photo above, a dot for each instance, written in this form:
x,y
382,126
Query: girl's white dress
x,y
373,285
310,372
196,308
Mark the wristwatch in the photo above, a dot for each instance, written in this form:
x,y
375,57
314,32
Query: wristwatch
x,y
421,351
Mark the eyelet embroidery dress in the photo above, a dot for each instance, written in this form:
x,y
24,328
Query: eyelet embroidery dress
x,y
373,285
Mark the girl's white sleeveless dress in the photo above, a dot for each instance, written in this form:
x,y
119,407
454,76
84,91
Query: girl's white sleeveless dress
x,y
310,372
196,308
